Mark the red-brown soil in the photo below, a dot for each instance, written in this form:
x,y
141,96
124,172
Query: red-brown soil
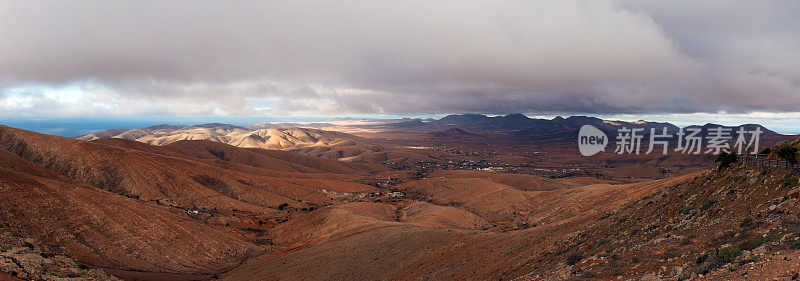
x,y
201,209
126,205
105,229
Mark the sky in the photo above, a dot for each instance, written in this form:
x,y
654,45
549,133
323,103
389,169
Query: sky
x,y
736,61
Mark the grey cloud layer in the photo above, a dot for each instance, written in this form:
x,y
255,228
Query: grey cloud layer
x,y
286,57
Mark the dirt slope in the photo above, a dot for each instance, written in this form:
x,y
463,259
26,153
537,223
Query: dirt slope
x,y
108,230
361,242
173,178
347,219
709,223
676,229
518,181
138,209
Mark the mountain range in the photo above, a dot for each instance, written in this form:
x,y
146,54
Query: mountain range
x,y
342,146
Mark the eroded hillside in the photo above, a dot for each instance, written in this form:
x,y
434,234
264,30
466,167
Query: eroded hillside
x,y
313,142
720,224
200,209
737,222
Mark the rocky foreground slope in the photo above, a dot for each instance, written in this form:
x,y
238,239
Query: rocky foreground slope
x,y
721,225
28,259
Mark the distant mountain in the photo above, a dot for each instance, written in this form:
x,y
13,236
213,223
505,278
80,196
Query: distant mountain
x,y
271,125
408,122
562,130
220,126
519,121
313,142
461,119
452,133
478,122
234,135
341,146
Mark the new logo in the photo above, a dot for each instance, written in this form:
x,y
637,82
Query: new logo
x,y
591,140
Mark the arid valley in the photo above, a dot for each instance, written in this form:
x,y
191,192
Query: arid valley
x,y
392,200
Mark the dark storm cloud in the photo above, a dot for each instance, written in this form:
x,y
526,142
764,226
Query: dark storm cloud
x,y
286,57
748,48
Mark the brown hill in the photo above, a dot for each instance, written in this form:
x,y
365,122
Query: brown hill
x,y
273,160
101,228
347,219
280,138
709,223
377,248
130,206
176,178
132,173
725,219
430,215
312,142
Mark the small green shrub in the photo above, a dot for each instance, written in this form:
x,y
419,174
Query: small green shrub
x,y
726,159
58,275
685,210
727,254
702,258
788,153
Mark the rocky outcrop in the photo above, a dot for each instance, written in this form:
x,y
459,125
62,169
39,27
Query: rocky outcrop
x,y
27,259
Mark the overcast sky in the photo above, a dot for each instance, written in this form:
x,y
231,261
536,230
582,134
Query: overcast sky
x,y
242,58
